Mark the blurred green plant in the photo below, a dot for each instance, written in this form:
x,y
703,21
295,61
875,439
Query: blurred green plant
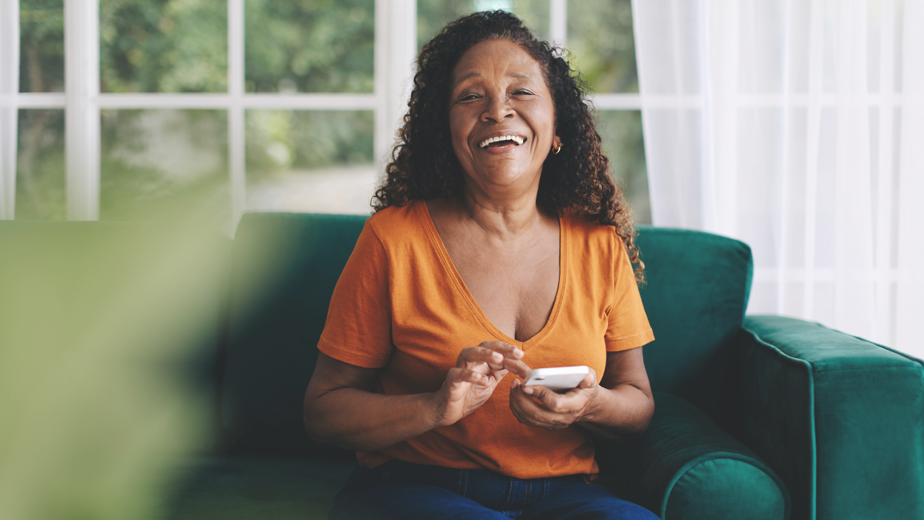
x,y
102,327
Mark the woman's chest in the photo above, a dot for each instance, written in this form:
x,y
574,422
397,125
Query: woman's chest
x,y
516,290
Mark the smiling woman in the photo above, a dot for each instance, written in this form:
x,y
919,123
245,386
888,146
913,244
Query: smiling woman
x,y
578,179
499,244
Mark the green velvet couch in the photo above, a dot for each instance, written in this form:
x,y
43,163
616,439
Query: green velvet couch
x,y
757,417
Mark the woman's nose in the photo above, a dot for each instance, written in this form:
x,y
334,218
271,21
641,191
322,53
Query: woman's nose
x,y
497,109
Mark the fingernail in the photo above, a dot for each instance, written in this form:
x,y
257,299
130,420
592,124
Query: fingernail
x,y
527,390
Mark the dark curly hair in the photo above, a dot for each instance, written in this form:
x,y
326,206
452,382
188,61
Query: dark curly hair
x,y
576,180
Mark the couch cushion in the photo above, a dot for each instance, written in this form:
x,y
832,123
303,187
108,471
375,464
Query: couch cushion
x,y
285,266
248,488
695,297
691,469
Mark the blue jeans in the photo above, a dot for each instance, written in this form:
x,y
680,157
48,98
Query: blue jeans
x,y
403,491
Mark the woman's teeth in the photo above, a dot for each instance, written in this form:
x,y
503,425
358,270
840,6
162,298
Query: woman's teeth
x,y
515,138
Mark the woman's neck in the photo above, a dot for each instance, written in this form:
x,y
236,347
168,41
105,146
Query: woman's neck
x,y
506,218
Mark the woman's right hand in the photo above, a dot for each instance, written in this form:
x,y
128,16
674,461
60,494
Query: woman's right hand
x,y
471,382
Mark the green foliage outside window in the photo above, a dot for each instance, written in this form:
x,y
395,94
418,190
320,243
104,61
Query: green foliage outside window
x,y
40,186
602,44
310,45
621,131
432,15
40,183
283,140
164,164
41,50
163,46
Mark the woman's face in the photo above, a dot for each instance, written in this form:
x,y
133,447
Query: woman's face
x,y
501,116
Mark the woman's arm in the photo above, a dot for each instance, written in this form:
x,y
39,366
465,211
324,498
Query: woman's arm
x,y
620,405
342,408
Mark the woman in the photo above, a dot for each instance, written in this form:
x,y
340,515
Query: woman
x,y
499,243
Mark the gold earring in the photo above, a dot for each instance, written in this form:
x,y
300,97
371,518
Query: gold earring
x,y
555,152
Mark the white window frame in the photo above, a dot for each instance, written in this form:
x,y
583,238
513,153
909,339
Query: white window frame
x,y
395,51
9,100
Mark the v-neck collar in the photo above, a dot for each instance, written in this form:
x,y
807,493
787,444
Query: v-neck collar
x,y
453,273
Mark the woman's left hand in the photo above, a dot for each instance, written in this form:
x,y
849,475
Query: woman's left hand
x,y
543,408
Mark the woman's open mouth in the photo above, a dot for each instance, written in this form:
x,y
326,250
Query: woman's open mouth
x,y
502,140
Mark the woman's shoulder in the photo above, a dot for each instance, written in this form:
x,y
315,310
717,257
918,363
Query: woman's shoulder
x,y
589,230
592,241
399,222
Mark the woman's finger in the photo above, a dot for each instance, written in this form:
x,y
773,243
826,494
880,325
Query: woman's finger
x,y
512,357
531,413
460,375
508,350
472,356
517,367
573,402
552,401
495,353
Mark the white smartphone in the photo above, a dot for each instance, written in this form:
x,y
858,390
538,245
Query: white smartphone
x,y
559,379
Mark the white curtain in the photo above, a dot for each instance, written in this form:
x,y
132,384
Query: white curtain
x,y
796,126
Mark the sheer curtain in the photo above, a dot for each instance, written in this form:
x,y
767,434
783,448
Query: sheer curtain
x,y
796,126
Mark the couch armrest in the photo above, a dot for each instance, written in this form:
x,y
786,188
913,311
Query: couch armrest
x,y
840,419
685,467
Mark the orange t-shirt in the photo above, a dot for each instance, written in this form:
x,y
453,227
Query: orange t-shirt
x,y
400,306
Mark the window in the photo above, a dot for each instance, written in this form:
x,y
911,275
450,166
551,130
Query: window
x,y
213,107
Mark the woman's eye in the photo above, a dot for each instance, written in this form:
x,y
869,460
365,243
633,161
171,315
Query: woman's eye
x,y
468,97
522,92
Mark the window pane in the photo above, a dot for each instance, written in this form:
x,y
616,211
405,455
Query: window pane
x,y
41,46
432,15
40,171
601,39
621,131
319,46
163,46
310,161
164,164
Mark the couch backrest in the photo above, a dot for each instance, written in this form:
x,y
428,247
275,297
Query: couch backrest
x,y
695,297
285,267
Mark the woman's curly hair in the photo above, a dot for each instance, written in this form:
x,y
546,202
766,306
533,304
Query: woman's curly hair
x,y
576,180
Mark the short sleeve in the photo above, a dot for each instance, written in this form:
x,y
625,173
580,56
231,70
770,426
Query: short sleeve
x,y
628,326
358,326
